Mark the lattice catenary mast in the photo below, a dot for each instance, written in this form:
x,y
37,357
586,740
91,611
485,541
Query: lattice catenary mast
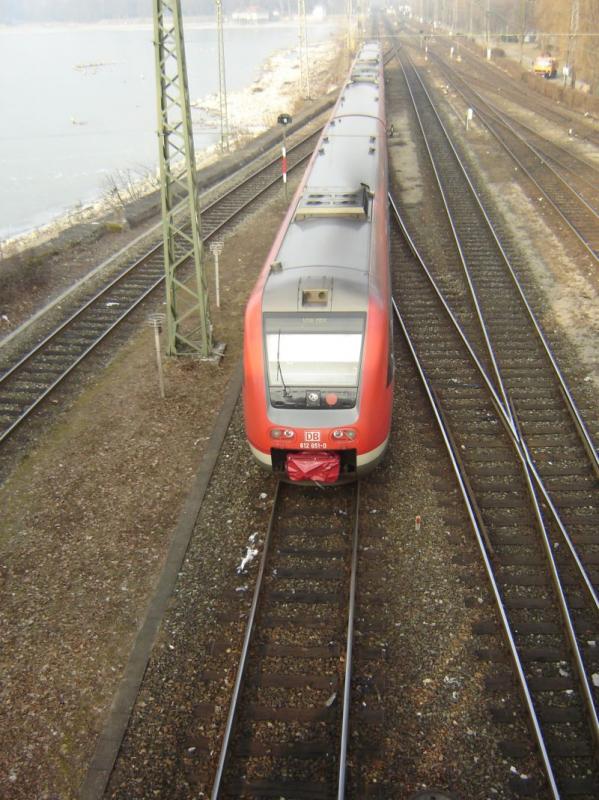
x,y
188,323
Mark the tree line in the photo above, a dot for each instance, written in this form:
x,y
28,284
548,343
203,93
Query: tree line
x,y
566,28
570,32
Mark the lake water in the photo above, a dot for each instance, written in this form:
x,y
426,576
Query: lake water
x,y
64,130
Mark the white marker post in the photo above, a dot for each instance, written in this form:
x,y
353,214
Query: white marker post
x,y
156,321
469,117
216,248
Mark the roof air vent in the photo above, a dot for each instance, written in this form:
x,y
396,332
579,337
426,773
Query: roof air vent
x,y
348,203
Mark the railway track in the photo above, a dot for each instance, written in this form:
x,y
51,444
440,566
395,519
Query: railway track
x,y
480,260
567,182
284,729
522,544
489,79
527,464
287,730
28,377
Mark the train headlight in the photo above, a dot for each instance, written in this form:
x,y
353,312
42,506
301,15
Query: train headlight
x,y
343,433
281,433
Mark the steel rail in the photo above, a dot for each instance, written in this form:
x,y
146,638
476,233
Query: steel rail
x,y
102,267
552,202
155,229
349,655
506,419
512,124
465,268
509,121
261,190
581,427
66,372
504,408
509,635
544,159
548,108
77,313
488,123
250,629
233,707
156,249
532,479
561,596
133,304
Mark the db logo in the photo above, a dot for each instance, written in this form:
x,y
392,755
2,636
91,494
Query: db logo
x,y
312,436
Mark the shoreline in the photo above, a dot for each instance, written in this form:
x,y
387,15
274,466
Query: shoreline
x,y
252,110
146,23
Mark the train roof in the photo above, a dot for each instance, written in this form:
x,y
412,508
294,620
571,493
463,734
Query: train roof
x,y
327,243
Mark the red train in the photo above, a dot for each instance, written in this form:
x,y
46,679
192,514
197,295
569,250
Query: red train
x,y
318,348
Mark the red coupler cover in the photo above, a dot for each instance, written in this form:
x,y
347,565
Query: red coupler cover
x,y
313,466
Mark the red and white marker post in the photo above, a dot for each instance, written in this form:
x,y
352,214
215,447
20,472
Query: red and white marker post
x,y
284,120
284,167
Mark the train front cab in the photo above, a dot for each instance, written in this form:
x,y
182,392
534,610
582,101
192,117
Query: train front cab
x,y
328,382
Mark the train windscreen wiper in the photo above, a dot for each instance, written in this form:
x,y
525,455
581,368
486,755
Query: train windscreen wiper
x,y
279,370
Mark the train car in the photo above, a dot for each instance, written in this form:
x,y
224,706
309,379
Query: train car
x,y
318,347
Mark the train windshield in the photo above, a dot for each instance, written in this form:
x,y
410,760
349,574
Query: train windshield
x,y
314,360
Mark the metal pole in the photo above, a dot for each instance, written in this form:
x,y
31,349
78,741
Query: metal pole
x,y
303,51
574,18
350,33
522,27
222,83
284,162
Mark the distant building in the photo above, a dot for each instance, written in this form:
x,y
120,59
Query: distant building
x,y
250,15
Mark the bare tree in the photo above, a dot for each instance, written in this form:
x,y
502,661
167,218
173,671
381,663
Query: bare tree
x,y
124,186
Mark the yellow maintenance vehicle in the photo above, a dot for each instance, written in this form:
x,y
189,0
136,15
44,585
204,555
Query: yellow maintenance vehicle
x,y
545,65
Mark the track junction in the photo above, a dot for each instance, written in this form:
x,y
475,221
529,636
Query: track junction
x,y
527,472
